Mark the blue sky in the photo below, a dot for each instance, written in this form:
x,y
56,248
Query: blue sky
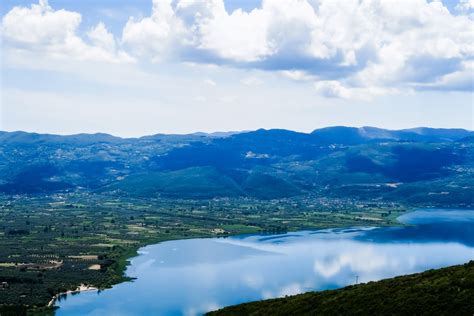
x,y
134,68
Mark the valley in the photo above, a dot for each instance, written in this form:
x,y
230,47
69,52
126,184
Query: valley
x,y
236,157
74,209
81,231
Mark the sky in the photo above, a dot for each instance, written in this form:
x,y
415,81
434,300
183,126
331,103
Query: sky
x,y
141,67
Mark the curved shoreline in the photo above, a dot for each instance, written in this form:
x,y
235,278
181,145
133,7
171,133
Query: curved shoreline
x,y
80,288
135,253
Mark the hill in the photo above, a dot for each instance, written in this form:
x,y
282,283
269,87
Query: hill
x,y
448,291
416,165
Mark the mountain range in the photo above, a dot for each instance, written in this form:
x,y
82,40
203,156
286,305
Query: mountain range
x,y
418,165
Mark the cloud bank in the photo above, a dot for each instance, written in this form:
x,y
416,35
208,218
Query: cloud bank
x,y
347,48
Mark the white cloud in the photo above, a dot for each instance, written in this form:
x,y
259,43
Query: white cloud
x,y
39,24
100,37
335,89
41,29
332,88
239,36
153,36
348,48
355,48
297,75
210,82
465,5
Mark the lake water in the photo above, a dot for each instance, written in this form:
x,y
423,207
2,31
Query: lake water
x,y
189,277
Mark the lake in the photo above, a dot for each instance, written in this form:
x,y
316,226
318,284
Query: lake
x,y
190,277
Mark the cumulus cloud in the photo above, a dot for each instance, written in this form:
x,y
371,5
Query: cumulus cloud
x,y
348,48
41,29
100,37
239,36
155,36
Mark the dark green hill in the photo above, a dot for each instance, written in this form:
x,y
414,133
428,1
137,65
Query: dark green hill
x,y
448,291
268,185
197,182
78,139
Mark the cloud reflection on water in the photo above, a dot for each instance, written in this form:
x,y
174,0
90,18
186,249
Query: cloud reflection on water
x,y
190,277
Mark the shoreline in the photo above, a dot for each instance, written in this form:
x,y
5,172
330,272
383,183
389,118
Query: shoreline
x,y
135,252
80,288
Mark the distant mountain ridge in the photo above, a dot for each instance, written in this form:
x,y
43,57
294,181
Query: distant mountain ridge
x,y
335,133
418,165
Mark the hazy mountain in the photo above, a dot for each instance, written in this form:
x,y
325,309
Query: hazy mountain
x,y
20,137
420,164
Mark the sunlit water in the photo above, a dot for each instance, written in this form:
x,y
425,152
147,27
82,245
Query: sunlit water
x,y
188,277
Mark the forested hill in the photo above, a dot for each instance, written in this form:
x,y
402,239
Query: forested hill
x,y
448,291
417,165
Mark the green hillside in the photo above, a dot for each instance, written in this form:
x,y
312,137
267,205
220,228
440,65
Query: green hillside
x,y
198,182
448,291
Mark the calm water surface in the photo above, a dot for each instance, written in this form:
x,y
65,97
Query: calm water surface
x,y
189,277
